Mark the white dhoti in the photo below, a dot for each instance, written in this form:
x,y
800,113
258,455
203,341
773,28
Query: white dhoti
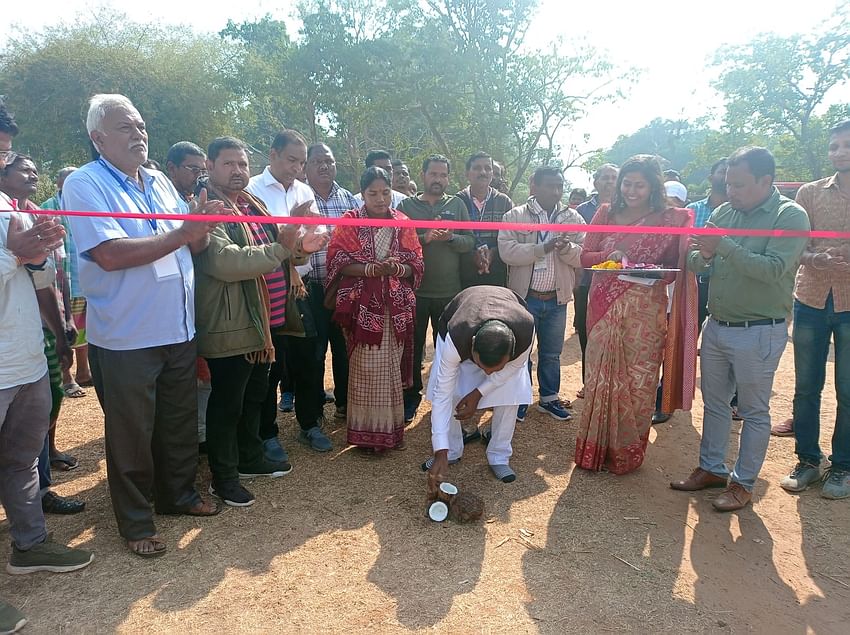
x,y
452,379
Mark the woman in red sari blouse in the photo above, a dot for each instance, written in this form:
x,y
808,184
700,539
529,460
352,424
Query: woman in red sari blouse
x,y
376,270
628,332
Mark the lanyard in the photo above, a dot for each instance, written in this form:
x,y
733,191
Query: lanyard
x,y
147,195
542,236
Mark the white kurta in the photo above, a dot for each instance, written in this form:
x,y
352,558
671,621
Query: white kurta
x,y
452,379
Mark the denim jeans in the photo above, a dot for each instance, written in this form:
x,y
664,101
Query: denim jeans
x,y
550,322
812,331
746,358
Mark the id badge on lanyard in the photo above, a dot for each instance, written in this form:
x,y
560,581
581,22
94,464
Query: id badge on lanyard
x,y
166,267
540,263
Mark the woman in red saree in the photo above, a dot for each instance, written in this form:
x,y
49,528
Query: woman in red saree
x,y
375,271
628,333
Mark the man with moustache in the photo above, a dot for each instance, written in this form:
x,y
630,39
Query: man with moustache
x,y
333,201
604,181
185,164
750,292
242,290
484,203
138,278
442,250
400,176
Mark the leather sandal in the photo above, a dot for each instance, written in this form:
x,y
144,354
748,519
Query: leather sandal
x,y
150,547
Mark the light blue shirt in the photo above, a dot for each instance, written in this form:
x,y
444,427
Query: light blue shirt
x,y
131,308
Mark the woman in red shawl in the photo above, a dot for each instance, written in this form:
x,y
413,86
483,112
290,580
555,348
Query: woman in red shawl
x,y
628,332
375,271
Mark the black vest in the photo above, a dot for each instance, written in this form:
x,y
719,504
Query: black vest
x,y
470,308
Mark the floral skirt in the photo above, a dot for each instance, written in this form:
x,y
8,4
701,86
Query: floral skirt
x,y
624,353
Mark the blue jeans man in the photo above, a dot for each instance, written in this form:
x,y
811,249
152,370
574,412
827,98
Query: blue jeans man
x,y
813,330
550,323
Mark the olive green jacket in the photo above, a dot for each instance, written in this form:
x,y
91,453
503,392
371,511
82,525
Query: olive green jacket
x,y
229,315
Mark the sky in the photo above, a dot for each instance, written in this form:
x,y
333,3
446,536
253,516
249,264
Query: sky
x,y
670,48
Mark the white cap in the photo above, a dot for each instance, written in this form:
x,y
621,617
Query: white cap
x,y
674,188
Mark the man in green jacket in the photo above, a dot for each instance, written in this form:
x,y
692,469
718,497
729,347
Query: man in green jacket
x,y
242,289
442,250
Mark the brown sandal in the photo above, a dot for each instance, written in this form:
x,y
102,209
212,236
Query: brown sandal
x,y
150,547
204,508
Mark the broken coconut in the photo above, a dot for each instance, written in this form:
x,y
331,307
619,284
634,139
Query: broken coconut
x,y
438,511
466,507
446,493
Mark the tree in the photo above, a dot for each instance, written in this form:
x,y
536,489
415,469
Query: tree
x,y
675,142
775,86
175,79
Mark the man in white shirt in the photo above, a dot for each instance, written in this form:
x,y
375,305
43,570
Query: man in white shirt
x,y
484,340
278,185
24,387
285,195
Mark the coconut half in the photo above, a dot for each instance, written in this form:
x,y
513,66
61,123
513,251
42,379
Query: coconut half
x,y
438,511
448,489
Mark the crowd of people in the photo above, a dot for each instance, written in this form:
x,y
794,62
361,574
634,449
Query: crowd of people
x,y
196,334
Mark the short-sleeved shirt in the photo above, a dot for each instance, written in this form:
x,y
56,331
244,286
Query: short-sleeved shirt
x,y
138,307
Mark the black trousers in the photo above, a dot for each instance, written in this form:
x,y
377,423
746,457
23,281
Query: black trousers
x,y
580,320
239,389
149,399
307,380
329,332
428,310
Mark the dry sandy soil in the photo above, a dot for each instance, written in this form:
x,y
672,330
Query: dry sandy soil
x,y
341,544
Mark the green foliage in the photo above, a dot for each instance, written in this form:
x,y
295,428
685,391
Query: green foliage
x,y
774,87
675,143
447,76
173,77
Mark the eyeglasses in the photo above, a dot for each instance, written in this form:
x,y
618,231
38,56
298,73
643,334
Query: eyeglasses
x,y
195,170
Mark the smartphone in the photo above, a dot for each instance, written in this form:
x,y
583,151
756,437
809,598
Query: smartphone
x,y
449,216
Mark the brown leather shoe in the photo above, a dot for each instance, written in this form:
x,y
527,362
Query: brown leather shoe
x,y
735,497
699,479
784,429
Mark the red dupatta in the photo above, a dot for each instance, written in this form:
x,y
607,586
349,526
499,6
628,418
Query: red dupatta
x,y
361,303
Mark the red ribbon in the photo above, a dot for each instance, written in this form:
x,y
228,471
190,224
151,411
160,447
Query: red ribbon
x,y
470,225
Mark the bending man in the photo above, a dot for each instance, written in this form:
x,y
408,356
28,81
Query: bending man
x,y
484,340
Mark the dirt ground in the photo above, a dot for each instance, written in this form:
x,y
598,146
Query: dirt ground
x,y
341,544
